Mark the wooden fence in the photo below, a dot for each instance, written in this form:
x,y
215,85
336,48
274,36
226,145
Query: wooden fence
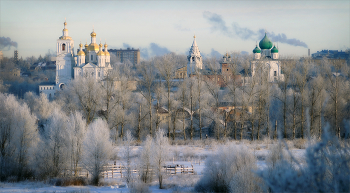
x,y
118,171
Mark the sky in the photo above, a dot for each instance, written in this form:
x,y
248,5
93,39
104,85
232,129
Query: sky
x,y
159,27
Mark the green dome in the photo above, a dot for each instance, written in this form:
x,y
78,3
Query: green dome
x,y
256,50
274,50
265,43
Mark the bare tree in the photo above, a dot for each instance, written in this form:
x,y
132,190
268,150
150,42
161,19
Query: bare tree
x,y
287,66
166,65
146,70
333,73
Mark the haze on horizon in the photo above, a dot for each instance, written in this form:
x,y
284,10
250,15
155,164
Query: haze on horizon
x,y
158,27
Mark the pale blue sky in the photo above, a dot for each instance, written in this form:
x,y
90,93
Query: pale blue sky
x,y
219,25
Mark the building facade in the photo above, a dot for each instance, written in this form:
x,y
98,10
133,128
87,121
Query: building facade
x,y
129,55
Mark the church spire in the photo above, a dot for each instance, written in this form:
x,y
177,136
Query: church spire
x,y
65,31
194,58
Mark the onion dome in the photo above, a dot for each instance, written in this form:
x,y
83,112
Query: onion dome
x,y
93,47
93,34
274,50
81,52
256,50
100,53
265,43
106,51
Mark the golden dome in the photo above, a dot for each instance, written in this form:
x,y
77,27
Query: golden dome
x,y
93,34
65,23
107,53
65,38
81,53
93,47
106,45
86,45
100,53
65,29
80,45
100,45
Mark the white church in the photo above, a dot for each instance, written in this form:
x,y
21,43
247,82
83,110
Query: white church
x,y
92,62
266,59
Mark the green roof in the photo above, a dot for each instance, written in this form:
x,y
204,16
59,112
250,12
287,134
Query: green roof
x,y
256,50
274,50
265,43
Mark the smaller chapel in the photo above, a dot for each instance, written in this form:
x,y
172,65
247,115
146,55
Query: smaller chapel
x,y
266,60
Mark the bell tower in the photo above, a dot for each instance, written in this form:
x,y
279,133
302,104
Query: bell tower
x,y
64,59
194,59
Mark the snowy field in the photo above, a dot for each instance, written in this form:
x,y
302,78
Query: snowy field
x,y
186,155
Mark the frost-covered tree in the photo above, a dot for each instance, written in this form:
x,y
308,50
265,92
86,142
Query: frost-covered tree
x,y
127,155
76,134
160,153
145,161
97,149
52,158
18,137
83,94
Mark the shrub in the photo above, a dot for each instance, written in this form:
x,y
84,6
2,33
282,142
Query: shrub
x,y
327,169
230,170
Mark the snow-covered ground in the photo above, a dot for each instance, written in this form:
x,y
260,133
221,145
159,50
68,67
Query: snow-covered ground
x,y
186,155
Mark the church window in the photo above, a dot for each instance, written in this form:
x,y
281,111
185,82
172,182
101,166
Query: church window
x,y
92,57
98,74
63,47
193,59
275,73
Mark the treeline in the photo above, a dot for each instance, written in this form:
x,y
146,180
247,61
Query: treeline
x,y
52,136
211,103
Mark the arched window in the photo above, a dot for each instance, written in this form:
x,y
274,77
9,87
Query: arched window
x,y
92,57
63,47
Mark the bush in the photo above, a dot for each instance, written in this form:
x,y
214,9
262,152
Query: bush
x,y
327,169
77,181
230,170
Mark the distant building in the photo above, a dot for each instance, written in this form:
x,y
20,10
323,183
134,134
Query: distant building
x,y
195,66
132,55
332,54
181,73
15,72
1,55
15,56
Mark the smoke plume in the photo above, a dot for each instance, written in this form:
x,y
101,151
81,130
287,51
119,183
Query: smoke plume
x,y
6,43
218,24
